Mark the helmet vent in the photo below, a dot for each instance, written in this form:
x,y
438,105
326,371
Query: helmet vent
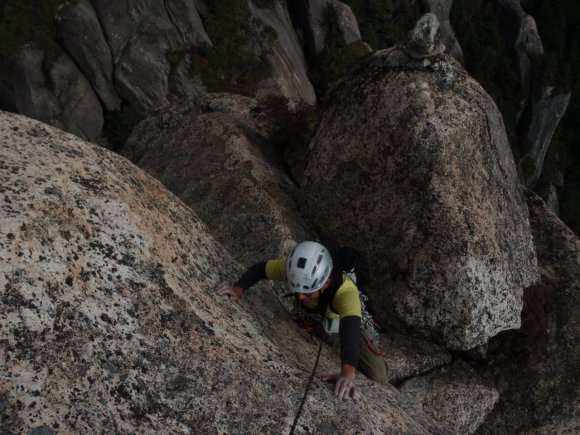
x,y
301,263
319,259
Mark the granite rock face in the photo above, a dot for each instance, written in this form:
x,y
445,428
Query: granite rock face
x,y
108,319
216,163
455,395
408,357
141,52
537,369
427,187
153,133
81,35
289,70
140,34
55,91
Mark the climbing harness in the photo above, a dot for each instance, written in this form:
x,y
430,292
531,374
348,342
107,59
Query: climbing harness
x,y
301,407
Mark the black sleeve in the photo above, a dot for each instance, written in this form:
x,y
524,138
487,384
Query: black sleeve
x,y
350,336
251,276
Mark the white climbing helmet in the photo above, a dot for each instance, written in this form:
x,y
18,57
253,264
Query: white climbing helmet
x,y
308,267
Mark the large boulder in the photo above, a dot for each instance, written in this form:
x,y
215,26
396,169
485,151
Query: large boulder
x,y
411,163
81,35
207,152
52,89
537,369
108,319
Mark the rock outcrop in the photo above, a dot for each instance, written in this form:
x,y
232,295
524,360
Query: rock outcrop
x,y
207,152
542,110
81,35
546,112
442,9
537,369
108,319
55,91
140,41
427,187
408,357
289,70
521,35
316,11
142,53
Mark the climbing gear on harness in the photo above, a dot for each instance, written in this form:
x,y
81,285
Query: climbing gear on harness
x,y
308,267
369,329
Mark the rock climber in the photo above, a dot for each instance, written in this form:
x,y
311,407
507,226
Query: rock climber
x,y
331,294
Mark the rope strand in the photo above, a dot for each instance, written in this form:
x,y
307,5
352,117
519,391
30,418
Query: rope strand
x,y
299,413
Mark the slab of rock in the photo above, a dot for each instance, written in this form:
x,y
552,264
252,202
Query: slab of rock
x,y
108,319
411,163
537,369
456,396
218,165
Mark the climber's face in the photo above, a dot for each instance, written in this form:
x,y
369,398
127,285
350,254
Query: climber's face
x,y
308,297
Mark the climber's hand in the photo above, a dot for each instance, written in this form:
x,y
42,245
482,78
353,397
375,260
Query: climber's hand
x,y
234,292
345,386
